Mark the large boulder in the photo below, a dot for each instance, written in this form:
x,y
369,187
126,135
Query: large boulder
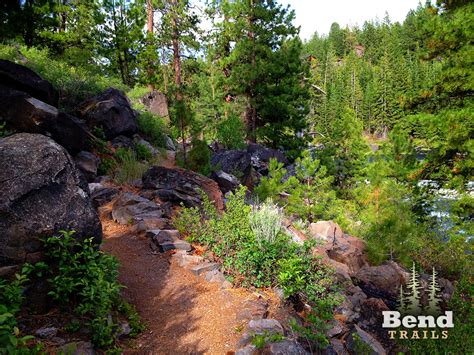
x,y
325,230
41,193
156,103
382,281
21,78
347,250
28,114
226,182
87,163
110,110
181,186
264,154
236,162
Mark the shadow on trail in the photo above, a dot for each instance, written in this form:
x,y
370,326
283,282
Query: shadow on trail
x,y
163,298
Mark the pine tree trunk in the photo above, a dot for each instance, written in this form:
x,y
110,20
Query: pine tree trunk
x,y
177,75
149,11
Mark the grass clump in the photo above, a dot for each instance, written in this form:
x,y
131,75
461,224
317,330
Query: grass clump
x,y
265,221
128,167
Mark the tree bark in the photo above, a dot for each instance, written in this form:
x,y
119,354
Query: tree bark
x,y
150,25
177,74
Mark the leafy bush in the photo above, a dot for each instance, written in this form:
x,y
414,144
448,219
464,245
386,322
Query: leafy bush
x,y
231,132
85,279
267,260
74,83
142,152
199,157
11,298
265,221
153,128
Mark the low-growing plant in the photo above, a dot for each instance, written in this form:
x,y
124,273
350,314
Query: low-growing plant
x,y
11,298
128,167
143,152
84,279
199,157
153,128
265,221
260,340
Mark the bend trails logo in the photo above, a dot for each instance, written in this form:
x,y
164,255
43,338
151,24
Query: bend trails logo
x,y
418,321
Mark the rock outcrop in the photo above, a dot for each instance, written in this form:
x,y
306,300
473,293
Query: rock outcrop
x,y
41,193
21,78
110,110
25,113
181,186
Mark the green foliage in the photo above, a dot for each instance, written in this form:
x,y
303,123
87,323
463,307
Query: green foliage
x,y
11,298
143,152
265,221
106,166
263,67
128,167
231,132
153,128
267,260
74,83
199,157
84,279
260,340
307,194
4,132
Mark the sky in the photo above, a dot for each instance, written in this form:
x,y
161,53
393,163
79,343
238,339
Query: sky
x,y
318,15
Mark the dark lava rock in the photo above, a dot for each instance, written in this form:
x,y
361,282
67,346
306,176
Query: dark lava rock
x,y
180,185
110,110
21,78
28,114
41,193
87,163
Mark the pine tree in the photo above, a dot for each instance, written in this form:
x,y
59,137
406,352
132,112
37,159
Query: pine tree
x,y
413,300
263,69
434,301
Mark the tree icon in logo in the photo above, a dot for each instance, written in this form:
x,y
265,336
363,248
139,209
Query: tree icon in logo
x,y
410,299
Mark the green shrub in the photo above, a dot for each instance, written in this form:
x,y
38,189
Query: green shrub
x,y
231,132
83,278
74,83
106,166
199,157
128,167
4,132
153,128
265,221
143,152
11,298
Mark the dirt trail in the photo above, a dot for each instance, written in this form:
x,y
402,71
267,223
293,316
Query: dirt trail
x,y
184,313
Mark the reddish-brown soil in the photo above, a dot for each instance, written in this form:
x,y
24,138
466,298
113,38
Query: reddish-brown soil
x,y
184,314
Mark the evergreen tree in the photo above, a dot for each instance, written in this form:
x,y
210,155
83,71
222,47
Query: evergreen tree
x,y
263,69
434,301
414,288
